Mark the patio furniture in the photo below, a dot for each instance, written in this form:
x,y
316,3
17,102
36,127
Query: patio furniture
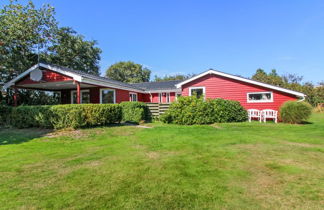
x,y
269,114
254,113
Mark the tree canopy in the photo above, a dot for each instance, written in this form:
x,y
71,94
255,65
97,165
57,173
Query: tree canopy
x,y
30,34
173,77
128,71
314,94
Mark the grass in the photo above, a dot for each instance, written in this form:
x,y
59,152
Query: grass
x,y
221,166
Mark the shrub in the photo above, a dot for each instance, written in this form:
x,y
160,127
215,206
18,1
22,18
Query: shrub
x,y
134,111
193,110
66,116
4,114
295,112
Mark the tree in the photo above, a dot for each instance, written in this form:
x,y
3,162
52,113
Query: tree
x,y
314,94
71,50
27,32
128,71
24,30
173,77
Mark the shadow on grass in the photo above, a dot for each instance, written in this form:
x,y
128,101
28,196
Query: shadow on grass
x,y
18,136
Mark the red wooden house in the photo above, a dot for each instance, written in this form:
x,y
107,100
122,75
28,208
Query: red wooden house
x,y
79,87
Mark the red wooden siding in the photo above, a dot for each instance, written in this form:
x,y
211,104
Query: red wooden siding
x,y
121,95
48,76
222,87
155,97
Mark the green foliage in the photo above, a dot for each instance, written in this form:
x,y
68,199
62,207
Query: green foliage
x,y
193,110
66,116
71,50
172,77
295,112
314,94
134,111
27,31
128,72
4,114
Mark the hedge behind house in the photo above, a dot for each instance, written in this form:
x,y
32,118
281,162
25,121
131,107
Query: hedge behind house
x,y
66,116
134,112
192,110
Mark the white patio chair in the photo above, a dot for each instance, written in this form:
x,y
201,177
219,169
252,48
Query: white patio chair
x,y
269,114
254,113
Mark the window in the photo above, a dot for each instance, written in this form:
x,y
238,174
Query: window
x,y
167,97
133,97
107,96
197,91
160,97
260,97
84,97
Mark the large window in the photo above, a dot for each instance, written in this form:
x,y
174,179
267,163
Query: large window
x,y
197,91
107,96
260,97
133,97
84,97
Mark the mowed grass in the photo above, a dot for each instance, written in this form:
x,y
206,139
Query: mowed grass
x,y
221,166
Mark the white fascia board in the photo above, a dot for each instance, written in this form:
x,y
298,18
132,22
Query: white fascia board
x,y
179,85
164,91
49,67
22,75
109,85
75,77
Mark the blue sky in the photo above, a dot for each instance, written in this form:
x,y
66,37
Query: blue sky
x,y
186,36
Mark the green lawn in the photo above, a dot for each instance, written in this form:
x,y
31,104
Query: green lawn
x,y
223,166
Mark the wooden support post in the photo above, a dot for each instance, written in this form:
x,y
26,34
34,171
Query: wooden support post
x,y
15,96
78,93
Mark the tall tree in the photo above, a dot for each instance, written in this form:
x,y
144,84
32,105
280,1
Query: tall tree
x,y
128,71
24,30
71,50
173,77
27,31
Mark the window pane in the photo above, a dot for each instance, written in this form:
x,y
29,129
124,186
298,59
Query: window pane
x,y
74,97
107,96
197,92
85,97
260,96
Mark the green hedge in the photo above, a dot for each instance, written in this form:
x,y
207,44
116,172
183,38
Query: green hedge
x,y
192,110
4,114
66,116
295,112
135,112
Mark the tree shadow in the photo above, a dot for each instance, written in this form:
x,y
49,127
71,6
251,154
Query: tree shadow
x,y
18,136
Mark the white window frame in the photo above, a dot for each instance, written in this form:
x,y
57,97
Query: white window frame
x,y
160,98
259,101
100,93
81,91
131,98
192,88
167,98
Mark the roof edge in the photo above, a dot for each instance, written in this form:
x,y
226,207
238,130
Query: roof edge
x,y
292,92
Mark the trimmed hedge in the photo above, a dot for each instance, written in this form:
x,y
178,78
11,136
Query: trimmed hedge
x,y
4,114
134,111
192,110
66,116
295,112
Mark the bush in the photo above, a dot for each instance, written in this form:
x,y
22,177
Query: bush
x,y
4,114
295,112
192,110
66,116
134,111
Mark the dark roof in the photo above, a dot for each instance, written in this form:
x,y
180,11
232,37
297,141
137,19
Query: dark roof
x,y
95,77
156,86
145,86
